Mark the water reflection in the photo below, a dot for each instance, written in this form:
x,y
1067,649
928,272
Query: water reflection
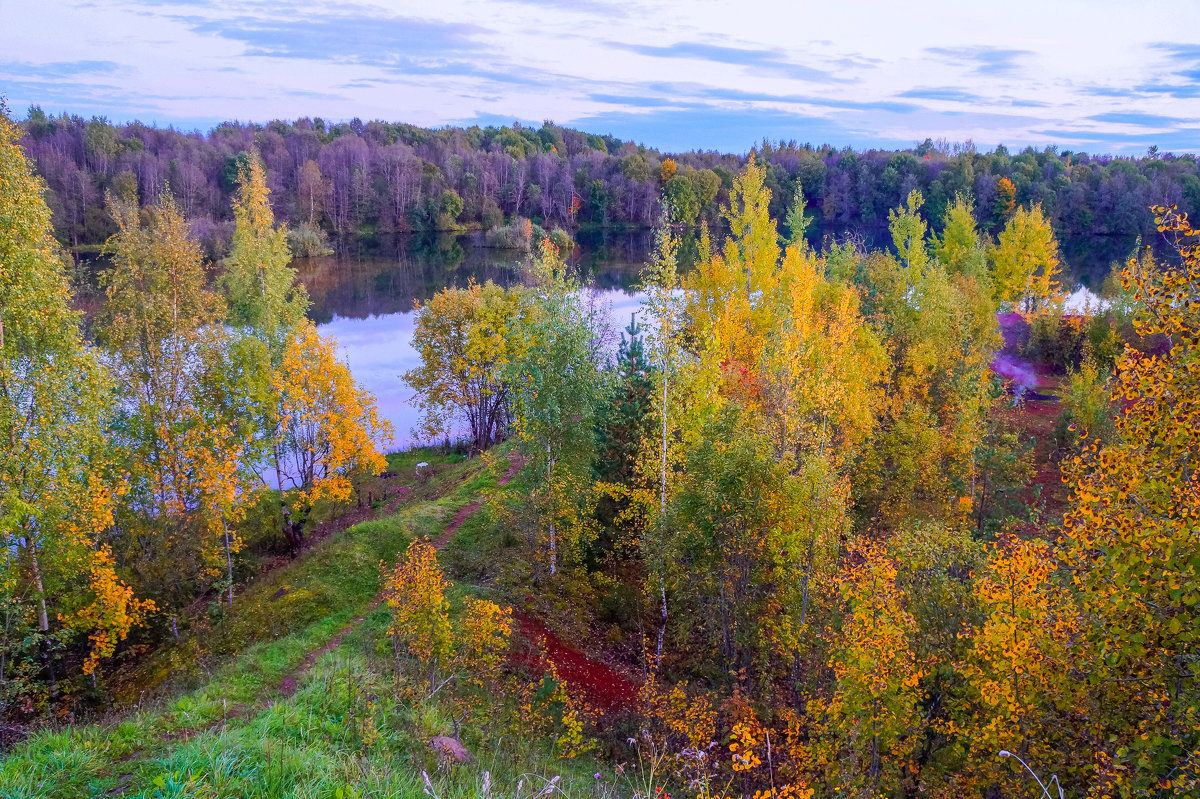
x,y
364,294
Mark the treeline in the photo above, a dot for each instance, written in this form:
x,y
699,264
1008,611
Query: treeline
x,y
847,583
132,458
379,177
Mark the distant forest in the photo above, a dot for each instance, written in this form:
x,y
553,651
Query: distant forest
x,y
381,178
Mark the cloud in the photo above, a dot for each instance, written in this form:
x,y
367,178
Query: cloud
x,y
726,129
770,60
349,38
633,101
1135,118
945,93
56,70
597,7
1175,140
984,60
1120,93
1186,91
823,102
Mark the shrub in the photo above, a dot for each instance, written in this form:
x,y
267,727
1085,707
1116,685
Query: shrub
x,y
308,241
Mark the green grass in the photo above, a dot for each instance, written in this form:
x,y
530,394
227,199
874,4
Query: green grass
x,y
223,727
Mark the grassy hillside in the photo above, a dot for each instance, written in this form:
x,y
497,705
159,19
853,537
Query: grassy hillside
x,y
302,698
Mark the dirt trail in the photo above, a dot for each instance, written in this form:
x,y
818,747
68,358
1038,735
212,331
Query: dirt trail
x,y
288,685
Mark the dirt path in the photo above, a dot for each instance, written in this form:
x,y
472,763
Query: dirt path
x,y
600,685
288,685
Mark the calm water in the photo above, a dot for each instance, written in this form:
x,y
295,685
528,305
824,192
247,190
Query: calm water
x,y
363,296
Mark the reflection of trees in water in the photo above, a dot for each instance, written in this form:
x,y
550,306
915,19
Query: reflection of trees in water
x,y
367,277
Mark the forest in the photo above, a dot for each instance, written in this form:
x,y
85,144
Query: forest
x,y
824,522
382,178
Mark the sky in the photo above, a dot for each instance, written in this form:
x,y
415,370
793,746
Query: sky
x,y
1094,75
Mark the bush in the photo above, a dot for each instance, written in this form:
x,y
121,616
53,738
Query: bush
x,y
524,235
562,240
1056,341
1087,412
516,235
308,241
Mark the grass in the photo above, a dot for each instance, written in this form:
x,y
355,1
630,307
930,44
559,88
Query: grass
x,y
223,727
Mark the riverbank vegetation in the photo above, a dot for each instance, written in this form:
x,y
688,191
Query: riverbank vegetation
x,y
826,522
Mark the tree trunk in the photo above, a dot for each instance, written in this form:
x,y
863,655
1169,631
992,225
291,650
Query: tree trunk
x,y
228,559
43,617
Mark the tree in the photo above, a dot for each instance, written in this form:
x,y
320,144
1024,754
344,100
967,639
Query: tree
x,y
556,388
1025,262
264,296
1004,202
329,428
466,340
313,190
667,169
628,416
449,210
661,284
1021,669
1132,533
266,304
415,593
59,585
797,220
162,328
958,248
864,731
681,194
940,333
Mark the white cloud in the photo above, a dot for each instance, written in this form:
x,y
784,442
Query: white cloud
x,y
847,73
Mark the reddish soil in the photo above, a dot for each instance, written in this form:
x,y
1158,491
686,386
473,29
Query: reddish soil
x,y
454,524
1036,414
600,685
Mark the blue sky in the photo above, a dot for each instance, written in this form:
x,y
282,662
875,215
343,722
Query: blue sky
x,y
1100,75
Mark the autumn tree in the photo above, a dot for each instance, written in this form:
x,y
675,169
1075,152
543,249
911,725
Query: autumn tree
x,y
1025,261
1131,528
466,340
265,304
1004,203
264,295
415,592
59,583
939,331
1021,670
163,332
864,741
556,388
329,428
312,192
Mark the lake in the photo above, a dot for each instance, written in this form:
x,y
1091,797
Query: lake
x,y
363,295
